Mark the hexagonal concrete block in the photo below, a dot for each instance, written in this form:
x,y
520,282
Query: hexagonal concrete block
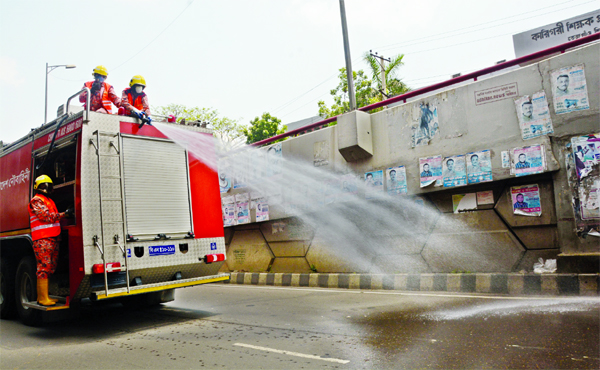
x,y
286,229
328,257
542,237
248,251
290,248
290,265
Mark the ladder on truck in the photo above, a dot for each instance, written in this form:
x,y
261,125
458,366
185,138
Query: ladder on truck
x,y
109,216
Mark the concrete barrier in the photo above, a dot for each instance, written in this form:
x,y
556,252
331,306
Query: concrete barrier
x,y
506,284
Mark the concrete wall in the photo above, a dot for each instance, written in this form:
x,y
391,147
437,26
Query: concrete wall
x,y
503,241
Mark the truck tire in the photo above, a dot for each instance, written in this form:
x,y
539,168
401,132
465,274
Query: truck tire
x,y
8,308
26,291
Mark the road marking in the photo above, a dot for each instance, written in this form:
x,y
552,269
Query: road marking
x,y
291,353
450,295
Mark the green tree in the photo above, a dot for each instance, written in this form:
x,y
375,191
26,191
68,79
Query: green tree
x,y
393,85
224,128
263,127
364,92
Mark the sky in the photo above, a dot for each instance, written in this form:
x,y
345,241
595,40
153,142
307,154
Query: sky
x,y
244,58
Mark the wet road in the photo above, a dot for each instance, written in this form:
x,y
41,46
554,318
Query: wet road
x,y
248,327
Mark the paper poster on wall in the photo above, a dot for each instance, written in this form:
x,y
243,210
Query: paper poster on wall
x,y
229,214
479,167
464,202
262,210
396,180
430,169
588,199
485,197
427,124
534,115
454,173
526,200
243,212
569,89
321,153
505,159
274,162
224,176
373,183
528,160
586,151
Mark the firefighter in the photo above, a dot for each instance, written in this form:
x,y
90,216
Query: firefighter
x,y
45,231
134,101
103,94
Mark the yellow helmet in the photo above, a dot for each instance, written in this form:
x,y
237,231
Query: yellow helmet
x,y
101,70
41,180
137,80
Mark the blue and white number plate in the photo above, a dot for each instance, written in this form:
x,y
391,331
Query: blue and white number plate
x,y
161,250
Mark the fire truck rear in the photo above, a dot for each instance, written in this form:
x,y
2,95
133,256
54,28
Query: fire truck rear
x,y
147,214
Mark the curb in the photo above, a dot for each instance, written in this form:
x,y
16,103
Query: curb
x,y
501,283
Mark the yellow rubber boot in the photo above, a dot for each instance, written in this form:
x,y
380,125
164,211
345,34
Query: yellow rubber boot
x,y
42,293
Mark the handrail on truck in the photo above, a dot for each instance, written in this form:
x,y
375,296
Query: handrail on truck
x,y
87,102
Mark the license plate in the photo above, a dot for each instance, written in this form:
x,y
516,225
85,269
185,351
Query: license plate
x,y
161,250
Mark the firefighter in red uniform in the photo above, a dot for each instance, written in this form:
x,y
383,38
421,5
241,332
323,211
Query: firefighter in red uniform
x,y
45,231
134,101
103,94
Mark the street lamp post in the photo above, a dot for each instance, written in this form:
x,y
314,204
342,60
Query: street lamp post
x,y
48,70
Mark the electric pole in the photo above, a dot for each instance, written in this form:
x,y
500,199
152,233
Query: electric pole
x,y
382,61
348,60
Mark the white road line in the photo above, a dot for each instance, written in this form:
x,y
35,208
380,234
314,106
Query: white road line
x,y
291,353
431,294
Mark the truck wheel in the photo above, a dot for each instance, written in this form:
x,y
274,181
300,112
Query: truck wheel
x,y
26,291
8,308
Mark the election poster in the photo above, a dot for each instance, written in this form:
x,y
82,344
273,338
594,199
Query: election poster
x,y
534,115
454,172
505,159
569,89
321,153
229,214
243,212
526,200
426,125
396,180
528,160
262,210
430,171
373,184
586,151
479,167
588,199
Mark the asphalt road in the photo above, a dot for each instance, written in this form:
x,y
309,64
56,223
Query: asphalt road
x,y
249,327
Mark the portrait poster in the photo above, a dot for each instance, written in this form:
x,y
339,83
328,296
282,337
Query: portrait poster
x,y
262,210
373,183
479,166
534,115
586,152
528,160
274,160
224,176
396,180
464,202
243,212
426,125
321,153
569,89
229,214
430,170
454,171
526,200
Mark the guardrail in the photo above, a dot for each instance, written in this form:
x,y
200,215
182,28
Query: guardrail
x,y
473,75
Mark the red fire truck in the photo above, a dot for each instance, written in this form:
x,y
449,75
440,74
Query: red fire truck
x,y
147,214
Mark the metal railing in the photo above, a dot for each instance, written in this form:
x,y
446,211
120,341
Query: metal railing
x,y
87,102
473,75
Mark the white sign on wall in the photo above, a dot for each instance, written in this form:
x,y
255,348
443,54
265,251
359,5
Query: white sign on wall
x,y
557,33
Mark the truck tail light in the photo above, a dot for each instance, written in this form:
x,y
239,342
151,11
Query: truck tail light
x,y
110,267
210,258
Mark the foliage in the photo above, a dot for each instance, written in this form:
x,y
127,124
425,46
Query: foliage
x,y
367,90
226,129
263,127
